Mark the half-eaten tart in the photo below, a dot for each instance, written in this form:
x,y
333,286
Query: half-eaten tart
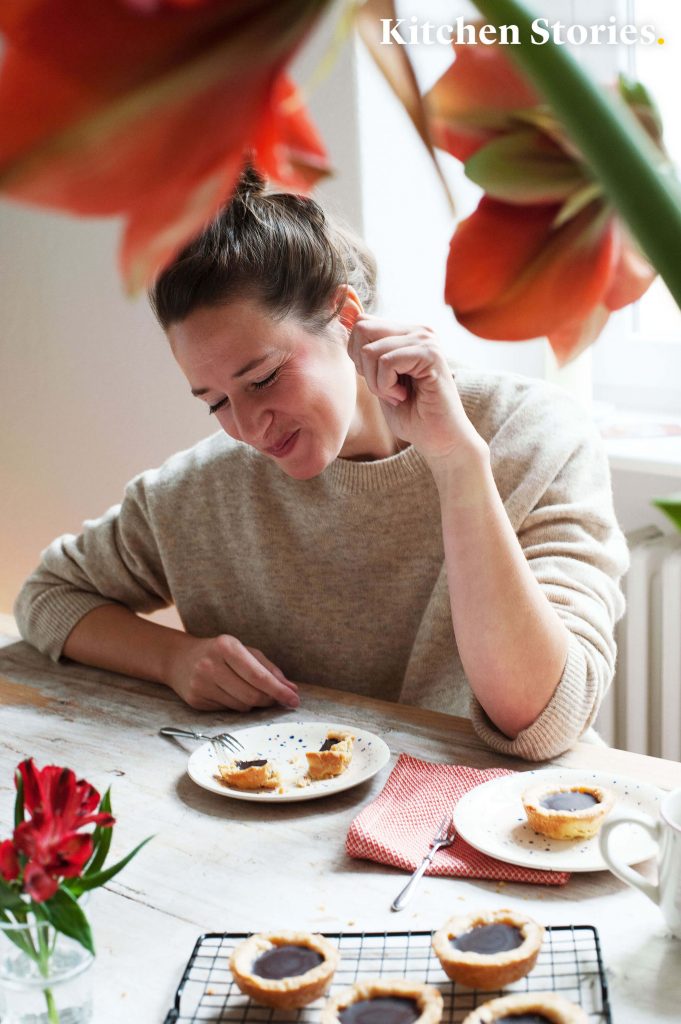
x,y
258,774
284,970
528,1008
332,758
567,811
379,1001
488,949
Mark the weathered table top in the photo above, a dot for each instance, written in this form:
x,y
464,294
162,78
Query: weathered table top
x,y
224,865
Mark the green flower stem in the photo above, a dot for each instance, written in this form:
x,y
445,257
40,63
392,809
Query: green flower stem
x,y
619,153
45,955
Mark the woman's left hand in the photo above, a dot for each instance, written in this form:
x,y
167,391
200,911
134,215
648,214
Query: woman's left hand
x,y
406,369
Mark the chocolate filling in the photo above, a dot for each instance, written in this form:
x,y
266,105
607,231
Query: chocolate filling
x,y
569,801
489,939
286,962
523,1018
382,1010
243,765
328,743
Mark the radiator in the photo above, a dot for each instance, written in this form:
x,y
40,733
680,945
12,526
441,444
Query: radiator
x,y
642,710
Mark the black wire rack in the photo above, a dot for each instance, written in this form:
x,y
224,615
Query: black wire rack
x,y
569,963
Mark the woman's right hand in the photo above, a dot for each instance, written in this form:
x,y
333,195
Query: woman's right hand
x,y
221,672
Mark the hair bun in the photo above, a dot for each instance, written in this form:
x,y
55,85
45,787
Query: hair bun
x,y
251,183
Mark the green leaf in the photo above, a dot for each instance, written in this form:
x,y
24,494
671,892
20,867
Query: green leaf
x,y
64,913
671,506
20,937
19,801
101,839
10,898
619,152
524,167
80,885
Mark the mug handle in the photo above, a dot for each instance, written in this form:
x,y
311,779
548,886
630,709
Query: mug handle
x,y
623,871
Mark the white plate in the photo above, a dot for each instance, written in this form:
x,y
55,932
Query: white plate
x,y
492,819
284,744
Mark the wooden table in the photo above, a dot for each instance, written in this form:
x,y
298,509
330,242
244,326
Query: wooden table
x,y
222,865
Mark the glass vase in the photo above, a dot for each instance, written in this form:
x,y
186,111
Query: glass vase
x,y
45,976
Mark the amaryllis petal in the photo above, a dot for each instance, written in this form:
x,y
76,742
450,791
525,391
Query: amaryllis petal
x,y
9,860
632,276
105,109
540,278
570,340
525,167
38,884
476,99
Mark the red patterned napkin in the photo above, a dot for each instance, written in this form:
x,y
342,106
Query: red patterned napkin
x,y
397,827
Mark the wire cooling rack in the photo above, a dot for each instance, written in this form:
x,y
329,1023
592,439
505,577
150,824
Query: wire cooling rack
x,y
569,963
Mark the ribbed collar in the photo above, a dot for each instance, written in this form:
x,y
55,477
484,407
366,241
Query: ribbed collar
x,y
350,477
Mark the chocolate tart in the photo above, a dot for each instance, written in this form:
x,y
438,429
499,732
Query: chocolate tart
x,y
528,1008
567,812
488,949
257,774
378,1001
332,758
284,970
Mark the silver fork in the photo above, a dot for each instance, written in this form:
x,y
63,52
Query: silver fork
x,y
223,740
445,836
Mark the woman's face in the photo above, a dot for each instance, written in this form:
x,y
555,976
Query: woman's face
x,y
276,386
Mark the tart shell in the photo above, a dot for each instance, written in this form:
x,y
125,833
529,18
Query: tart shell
x,y
283,993
427,998
556,1009
488,971
262,776
326,764
582,824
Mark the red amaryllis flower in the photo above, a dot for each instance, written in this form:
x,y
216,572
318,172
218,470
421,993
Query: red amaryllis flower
x,y
145,109
9,861
544,253
59,806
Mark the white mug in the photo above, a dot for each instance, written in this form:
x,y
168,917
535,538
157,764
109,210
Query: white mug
x,y
667,832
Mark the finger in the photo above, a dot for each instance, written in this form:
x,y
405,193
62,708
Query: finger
x,y
422,364
369,357
242,694
241,661
264,660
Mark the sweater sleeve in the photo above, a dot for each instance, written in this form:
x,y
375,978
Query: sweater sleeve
x,y
578,554
115,560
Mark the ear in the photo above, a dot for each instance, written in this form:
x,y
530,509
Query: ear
x,y
351,308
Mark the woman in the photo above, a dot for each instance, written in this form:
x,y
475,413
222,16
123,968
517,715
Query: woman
x,y
366,519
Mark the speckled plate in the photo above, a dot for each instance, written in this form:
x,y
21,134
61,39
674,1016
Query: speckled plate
x,y
284,744
492,819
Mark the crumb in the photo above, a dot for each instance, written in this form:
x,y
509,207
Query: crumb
x,y
321,908
350,924
303,781
280,790
210,991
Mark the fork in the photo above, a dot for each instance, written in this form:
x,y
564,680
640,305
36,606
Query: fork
x,y
223,739
445,836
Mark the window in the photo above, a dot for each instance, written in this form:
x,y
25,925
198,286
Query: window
x,y
637,362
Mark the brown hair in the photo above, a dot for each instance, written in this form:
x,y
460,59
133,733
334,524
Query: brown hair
x,y
278,248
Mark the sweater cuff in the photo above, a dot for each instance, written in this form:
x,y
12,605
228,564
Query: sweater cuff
x,y
52,619
560,724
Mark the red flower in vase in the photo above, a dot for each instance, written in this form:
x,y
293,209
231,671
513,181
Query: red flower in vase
x,y
9,861
59,806
544,253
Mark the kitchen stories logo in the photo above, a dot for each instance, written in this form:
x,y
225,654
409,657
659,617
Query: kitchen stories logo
x,y
412,32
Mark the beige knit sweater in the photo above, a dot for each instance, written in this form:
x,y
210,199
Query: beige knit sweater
x,y
340,580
